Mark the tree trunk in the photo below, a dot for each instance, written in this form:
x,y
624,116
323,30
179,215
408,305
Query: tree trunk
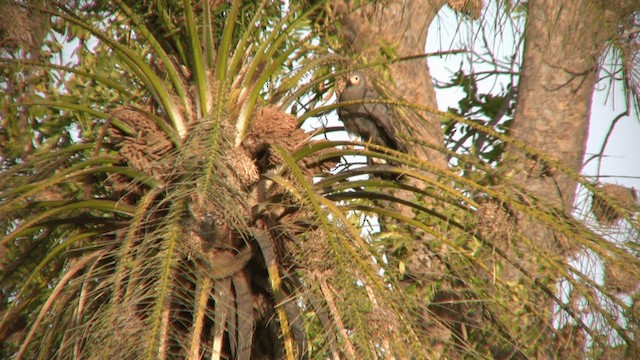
x,y
563,42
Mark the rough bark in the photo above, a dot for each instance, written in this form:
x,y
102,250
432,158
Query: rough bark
x,y
563,42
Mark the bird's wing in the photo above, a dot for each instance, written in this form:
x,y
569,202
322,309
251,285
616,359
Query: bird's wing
x,y
379,114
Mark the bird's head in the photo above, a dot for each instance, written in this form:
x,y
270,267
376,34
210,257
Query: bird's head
x,y
356,89
357,79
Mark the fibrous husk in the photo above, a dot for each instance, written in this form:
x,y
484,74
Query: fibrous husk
x,y
423,264
273,127
245,168
623,196
618,278
146,146
270,126
143,150
571,342
473,8
538,168
494,221
568,244
225,207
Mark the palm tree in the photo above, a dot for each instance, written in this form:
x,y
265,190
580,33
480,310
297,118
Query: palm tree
x,y
140,211
159,200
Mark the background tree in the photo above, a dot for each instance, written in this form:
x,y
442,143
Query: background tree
x,y
159,200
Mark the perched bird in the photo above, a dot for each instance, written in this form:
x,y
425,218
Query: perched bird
x,y
370,121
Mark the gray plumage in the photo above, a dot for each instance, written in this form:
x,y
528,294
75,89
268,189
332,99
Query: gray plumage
x,y
370,121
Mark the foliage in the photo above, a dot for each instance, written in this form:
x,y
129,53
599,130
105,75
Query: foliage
x,y
155,203
486,109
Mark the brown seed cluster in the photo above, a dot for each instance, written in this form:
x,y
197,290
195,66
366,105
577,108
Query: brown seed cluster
x,y
605,213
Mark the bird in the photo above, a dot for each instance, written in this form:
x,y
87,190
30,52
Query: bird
x,y
371,122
